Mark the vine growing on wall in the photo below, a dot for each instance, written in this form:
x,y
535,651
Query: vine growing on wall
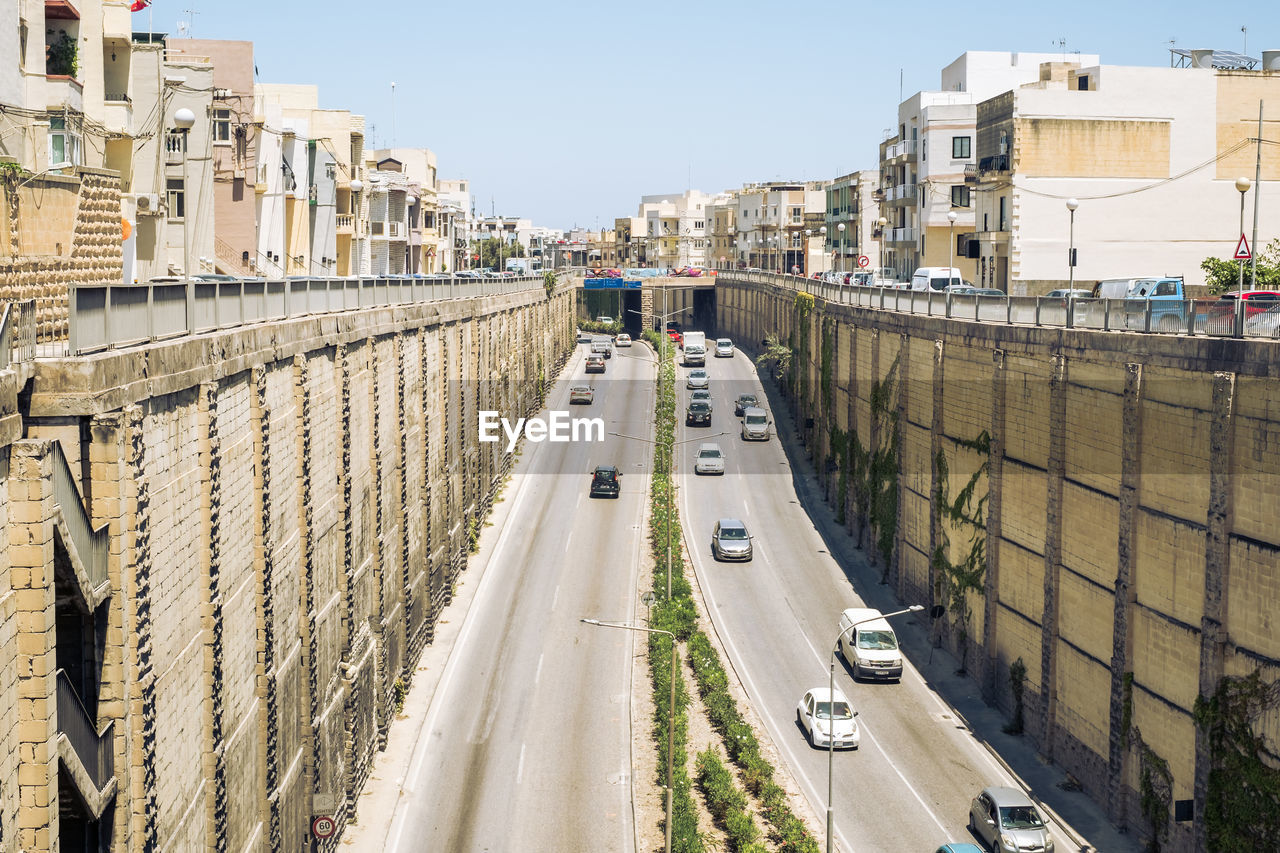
x,y
827,370
549,281
1155,792
954,581
777,353
873,471
1017,685
800,347
1242,803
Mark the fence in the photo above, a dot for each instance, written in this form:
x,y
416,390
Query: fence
x,y
103,316
17,333
90,545
94,749
1209,317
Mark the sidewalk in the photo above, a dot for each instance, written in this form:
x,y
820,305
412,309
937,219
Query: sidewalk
x,y
1073,812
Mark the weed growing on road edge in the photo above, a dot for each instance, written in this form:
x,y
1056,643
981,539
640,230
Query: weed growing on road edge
x,y
1017,683
399,690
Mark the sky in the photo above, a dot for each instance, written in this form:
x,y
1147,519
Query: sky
x,y
566,113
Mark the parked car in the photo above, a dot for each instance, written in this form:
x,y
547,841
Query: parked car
x,y
1265,324
710,459
623,340
604,319
724,348
1064,294
595,363
744,402
935,279
698,379
987,291
755,424
698,413
730,540
1219,316
581,394
1006,819
606,481
962,289
828,719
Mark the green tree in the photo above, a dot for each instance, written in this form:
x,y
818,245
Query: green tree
x,y
494,253
1222,276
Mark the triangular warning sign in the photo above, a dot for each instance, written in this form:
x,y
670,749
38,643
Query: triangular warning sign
x,y
1242,250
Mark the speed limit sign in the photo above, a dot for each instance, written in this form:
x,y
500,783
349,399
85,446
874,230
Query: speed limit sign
x,y
323,826
864,261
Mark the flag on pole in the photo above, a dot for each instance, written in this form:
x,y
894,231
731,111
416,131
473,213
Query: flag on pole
x,y
139,5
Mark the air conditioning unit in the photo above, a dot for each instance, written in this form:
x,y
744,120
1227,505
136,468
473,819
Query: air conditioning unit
x,y
238,173
148,203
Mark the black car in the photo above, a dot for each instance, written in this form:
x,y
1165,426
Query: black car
x,y
744,401
606,481
698,413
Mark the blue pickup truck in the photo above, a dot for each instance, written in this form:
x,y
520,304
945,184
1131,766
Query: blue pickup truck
x,y
1161,298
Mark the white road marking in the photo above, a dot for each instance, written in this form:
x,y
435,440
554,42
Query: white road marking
x,y
520,766
555,598
537,673
568,542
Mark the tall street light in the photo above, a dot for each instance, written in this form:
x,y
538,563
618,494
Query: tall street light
x,y
671,714
1072,204
881,223
1243,185
840,228
951,231
831,690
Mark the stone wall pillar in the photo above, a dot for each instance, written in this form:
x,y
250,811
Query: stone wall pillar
x,y
988,678
935,447
1057,429
31,604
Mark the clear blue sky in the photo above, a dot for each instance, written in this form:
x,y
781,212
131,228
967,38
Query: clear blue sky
x,y
568,112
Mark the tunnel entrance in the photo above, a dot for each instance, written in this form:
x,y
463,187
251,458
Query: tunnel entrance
x,y
631,319
704,311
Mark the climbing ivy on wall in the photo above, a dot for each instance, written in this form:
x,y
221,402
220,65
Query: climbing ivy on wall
x,y
1155,780
827,371
800,357
1242,803
954,581
872,472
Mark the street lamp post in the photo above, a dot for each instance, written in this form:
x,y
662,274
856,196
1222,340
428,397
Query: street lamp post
x,y
951,231
840,228
808,235
831,741
1072,204
671,713
1243,185
881,223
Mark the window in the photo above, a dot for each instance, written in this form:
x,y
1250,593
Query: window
x,y
22,44
699,223
960,196
924,149
64,141
221,124
330,171
960,147
176,196
1082,83
1004,225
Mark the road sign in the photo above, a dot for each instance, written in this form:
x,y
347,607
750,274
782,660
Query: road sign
x,y
323,826
864,261
1242,250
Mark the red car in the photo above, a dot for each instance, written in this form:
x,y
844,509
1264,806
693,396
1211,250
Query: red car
x,y
1219,315
675,336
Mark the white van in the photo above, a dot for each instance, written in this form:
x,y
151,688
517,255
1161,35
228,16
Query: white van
x,y
871,649
935,278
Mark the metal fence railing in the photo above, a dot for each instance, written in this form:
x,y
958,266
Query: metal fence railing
x,y
94,748
104,316
1209,317
17,332
90,544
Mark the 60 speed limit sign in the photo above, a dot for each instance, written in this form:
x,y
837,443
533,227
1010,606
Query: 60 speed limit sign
x,y
323,827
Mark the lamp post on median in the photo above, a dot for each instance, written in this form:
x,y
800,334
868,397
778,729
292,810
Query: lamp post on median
x,y
831,706
1072,204
671,714
1243,185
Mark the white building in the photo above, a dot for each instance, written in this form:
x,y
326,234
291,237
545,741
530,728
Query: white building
x,y
675,229
778,225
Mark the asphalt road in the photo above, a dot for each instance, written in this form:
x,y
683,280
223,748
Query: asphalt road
x,y
909,785
527,745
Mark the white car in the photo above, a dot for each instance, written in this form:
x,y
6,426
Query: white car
x,y
698,379
724,348
623,340
829,724
581,394
710,459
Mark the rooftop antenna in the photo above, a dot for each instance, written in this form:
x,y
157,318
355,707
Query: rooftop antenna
x,y
1244,48
1062,45
191,20
393,113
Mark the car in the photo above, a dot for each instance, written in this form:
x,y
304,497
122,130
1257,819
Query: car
x,y
959,847
581,394
623,340
744,402
1006,819
1065,294
1220,314
710,459
755,424
675,336
730,540
697,379
698,413
962,289
595,363
987,291
603,319
724,348
1266,324
602,347
828,719
868,644
606,481
584,337
703,394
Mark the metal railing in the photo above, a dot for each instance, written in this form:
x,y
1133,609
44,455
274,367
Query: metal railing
x,y
90,544
997,163
107,316
95,749
1200,317
17,333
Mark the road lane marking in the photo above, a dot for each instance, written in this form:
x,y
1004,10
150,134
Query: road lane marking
x,y
555,598
537,674
520,766
568,542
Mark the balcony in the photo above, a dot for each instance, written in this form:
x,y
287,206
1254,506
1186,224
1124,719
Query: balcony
x,y
904,150
900,235
117,113
346,223
62,10
64,92
998,163
175,145
115,20
902,192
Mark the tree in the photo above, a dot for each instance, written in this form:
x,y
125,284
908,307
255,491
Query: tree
x,y
494,252
1223,276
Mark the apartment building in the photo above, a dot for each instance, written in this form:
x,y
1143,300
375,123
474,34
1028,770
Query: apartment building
x,y
675,231
454,198
722,238
923,165
425,238
849,228
779,225
1131,145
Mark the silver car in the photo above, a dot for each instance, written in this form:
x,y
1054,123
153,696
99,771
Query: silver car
x,y
1007,821
730,540
697,379
724,348
710,459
